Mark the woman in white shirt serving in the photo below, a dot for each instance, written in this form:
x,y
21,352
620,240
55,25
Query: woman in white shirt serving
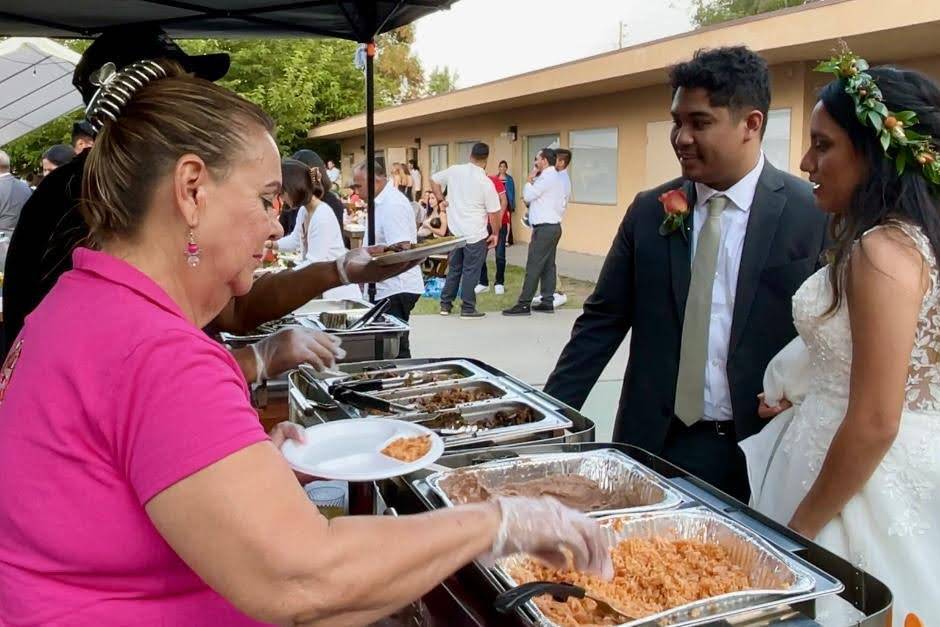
x,y
316,234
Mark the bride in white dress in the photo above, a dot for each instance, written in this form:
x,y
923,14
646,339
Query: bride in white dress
x,y
855,464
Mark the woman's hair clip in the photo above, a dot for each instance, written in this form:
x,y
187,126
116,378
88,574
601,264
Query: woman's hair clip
x,y
115,89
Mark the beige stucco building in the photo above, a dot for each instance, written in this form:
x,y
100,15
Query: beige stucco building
x,y
612,110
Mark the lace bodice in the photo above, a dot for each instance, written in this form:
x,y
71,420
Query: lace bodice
x,y
829,341
829,338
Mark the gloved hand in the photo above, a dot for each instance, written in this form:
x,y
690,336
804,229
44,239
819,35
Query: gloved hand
x,y
290,347
541,527
359,266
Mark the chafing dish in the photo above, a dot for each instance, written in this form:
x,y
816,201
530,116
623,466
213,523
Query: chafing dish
x,y
641,489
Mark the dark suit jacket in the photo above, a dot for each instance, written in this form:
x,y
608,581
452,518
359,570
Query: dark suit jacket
x,y
644,285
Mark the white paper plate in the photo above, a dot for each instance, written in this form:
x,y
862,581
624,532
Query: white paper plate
x,y
422,252
351,450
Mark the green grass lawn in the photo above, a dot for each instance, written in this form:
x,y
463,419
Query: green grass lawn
x,y
575,290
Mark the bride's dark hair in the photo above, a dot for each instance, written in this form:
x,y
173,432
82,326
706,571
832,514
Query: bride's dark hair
x,y
883,194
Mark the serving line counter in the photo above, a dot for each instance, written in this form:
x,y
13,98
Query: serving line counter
x,y
502,435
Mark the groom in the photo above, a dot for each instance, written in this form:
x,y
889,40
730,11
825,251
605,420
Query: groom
x,y
703,269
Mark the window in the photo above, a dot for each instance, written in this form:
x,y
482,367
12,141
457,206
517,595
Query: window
x,y
534,143
661,162
777,138
463,151
438,157
380,157
593,169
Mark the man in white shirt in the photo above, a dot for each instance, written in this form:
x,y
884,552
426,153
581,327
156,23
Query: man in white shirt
x,y
13,195
471,204
562,161
333,173
394,223
545,193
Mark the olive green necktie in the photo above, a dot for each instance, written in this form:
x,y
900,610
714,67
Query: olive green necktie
x,y
690,386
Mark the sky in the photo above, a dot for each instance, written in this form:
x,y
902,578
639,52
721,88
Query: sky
x,y
485,40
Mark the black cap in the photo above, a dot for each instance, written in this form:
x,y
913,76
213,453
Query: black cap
x,y
129,44
83,128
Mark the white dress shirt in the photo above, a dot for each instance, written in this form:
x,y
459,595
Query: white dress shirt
x,y
733,229
546,198
470,197
333,174
416,182
319,240
566,180
394,223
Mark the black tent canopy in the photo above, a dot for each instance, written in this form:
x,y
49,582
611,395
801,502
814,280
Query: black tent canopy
x,y
356,20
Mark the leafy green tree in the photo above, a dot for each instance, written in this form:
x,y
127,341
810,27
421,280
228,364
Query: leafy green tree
x,y
708,12
442,80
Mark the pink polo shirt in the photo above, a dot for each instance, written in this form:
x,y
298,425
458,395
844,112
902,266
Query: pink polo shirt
x,y
108,397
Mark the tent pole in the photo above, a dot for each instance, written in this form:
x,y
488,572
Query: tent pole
x,y
370,150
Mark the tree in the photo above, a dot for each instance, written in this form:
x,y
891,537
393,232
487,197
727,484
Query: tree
x,y
441,81
301,83
708,12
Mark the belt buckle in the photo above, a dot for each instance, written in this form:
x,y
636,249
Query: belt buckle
x,y
722,427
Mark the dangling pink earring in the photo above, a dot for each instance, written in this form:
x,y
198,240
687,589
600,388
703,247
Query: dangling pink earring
x,y
192,250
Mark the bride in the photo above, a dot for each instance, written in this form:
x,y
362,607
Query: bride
x,y
853,458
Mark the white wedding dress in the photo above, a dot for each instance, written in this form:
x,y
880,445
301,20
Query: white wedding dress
x,y
891,528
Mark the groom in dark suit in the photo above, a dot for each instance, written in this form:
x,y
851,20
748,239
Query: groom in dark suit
x,y
704,278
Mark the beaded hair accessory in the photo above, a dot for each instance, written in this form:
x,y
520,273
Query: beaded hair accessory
x,y
115,89
901,144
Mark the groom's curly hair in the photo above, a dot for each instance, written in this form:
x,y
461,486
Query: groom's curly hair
x,y
735,77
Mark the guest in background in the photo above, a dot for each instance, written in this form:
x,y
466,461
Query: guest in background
x,y
313,160
417,182
545,194
13,195
563,160
472,205
484,285
510,184
316,234
334,174
394,224
83,136
408,181
57,156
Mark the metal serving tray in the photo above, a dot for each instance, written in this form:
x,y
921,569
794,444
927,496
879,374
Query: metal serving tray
x,y
456,369
776,578
270,328
546,420
414,395
337,305
615,473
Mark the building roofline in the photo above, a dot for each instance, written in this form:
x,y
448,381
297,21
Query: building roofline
x,y
666,51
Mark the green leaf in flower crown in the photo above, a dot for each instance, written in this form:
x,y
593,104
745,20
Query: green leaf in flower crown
x,y
908,117
880,108
861,64
875,120
901,161
913,136
885,137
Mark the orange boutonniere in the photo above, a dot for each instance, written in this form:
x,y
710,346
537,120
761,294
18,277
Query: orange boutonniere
x,y
676,206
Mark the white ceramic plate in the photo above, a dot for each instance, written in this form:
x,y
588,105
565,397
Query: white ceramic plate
x,y
422,252
351,450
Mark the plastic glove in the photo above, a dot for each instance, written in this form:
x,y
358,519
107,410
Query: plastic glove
x,y
290,347
284,431
361,268
542,527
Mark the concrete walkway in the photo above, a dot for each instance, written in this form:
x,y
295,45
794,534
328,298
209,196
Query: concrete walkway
x,y
575,265
526,348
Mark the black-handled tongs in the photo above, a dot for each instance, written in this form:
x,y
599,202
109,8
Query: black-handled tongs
x,y
365,401
371,315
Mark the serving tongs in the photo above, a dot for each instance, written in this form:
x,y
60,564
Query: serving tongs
x,y
368,317
515,597
361,400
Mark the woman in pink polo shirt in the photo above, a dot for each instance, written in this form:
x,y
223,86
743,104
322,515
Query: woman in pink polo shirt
x,y
136,485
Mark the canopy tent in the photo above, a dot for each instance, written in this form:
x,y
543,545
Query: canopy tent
x,y
35,85
358,20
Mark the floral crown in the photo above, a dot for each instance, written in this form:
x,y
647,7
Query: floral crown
x,y
901,144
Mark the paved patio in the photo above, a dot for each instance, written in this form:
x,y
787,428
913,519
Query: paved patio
x,y
527,348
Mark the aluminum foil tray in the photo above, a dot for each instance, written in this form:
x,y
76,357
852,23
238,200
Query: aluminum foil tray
x,y
640,489
775,578
269,328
